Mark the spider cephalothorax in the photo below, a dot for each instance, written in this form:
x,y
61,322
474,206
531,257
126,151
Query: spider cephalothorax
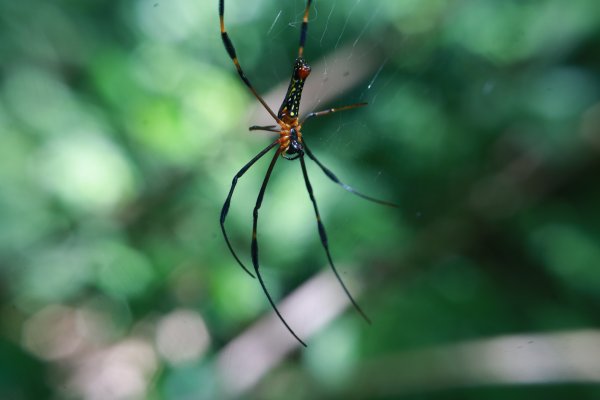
x,y
290,143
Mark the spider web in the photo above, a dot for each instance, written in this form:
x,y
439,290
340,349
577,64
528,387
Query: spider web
x,y
348,66
342,57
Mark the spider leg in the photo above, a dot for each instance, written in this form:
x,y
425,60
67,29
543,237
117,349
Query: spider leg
x,y
348,188
304,29
231,51
225,208
268,128
324,242
254,247
331,111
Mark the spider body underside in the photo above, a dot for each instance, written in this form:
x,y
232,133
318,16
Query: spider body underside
x,y
290,145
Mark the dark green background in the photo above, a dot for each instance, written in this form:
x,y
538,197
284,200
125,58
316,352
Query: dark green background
x,y
123,122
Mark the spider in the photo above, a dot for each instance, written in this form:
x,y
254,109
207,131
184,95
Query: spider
x,y
290,145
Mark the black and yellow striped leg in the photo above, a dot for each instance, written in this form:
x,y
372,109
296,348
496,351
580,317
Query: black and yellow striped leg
x,y
324,242
254,247
304,29
225,208
348,188
268,128
231,51
331,111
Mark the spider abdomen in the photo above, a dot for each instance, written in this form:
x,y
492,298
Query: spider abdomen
x,y
291,103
